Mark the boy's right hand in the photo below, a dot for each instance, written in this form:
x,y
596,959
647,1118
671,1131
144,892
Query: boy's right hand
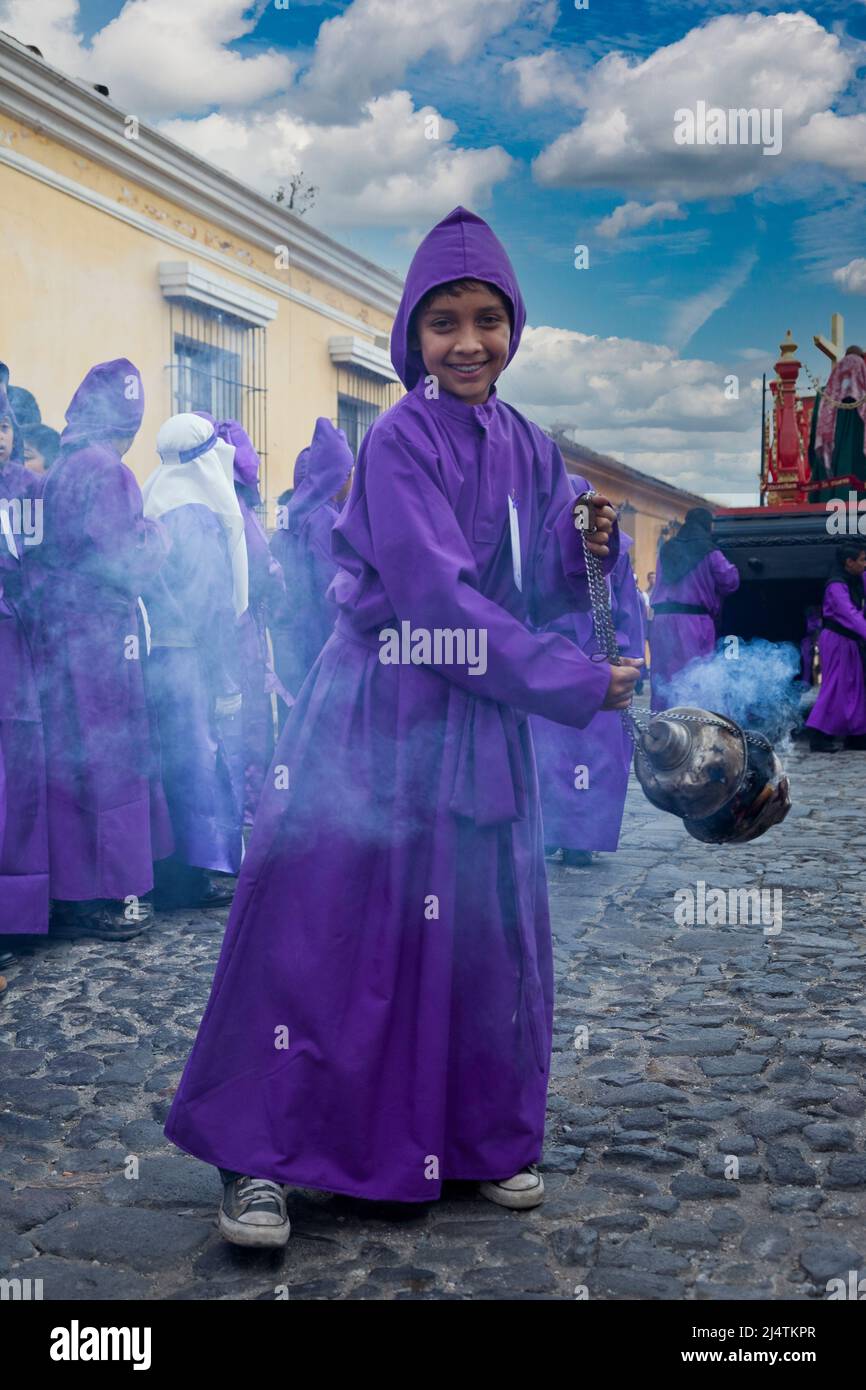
x,y
622,683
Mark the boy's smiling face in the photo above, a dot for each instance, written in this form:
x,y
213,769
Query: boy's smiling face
x,y
463,336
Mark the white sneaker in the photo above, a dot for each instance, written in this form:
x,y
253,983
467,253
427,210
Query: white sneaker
x,y
524,1190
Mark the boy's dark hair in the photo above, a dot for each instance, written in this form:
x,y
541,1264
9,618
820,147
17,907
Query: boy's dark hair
x,y
44,440
456,287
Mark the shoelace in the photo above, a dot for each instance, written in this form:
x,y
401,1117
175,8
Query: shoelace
x,y
258,1193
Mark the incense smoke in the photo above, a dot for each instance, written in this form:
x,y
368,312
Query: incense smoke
x,y
754,683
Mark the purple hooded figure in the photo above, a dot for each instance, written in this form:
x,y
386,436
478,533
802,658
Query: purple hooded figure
x,y
380,1019
266,610
840,709
194,604
97,554
583,774
23,816
692,580
302,545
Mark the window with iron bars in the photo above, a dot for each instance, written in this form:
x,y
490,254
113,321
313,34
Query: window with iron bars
x,y
361,397
219,364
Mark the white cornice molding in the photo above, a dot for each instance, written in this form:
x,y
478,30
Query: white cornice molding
x,y
79,117
184,280
160,232
360,352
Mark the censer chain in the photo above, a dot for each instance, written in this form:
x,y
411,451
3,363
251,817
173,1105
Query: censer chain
x,y
636,724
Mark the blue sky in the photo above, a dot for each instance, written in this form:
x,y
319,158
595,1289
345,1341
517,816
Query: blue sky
x,y
556,124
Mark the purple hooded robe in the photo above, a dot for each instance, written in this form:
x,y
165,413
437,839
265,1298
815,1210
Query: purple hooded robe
x,y
97,554
23,818
840,709
193,661
381,1014
583,774
677,638
302,545
267,609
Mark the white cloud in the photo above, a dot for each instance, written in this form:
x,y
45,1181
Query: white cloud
x,y
686,318
629,216
642,403
852,277
157,56
367,50
837,142
545,77
381,171
785,61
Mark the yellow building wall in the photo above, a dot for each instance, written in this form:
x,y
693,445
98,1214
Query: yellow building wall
x,y
82,286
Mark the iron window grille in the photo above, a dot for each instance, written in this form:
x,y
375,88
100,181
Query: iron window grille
x,y
219,364
361,397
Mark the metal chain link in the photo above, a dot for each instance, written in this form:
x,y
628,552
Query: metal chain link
x,y
635,724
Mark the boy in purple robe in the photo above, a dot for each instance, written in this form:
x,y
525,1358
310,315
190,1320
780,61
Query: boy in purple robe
x,y
302,545
23,822
97,553
583,774
692,580
380,1020
193,605
840,709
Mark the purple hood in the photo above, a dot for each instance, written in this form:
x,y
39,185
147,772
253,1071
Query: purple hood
x,y
329,463
461,246
110,400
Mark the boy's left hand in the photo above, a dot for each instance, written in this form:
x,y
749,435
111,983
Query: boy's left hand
x,y
601,517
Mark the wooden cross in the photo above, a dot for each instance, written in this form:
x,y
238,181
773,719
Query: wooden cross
x,y
836,346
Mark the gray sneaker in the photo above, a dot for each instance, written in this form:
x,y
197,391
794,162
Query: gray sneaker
x,y
253,1212
524,1190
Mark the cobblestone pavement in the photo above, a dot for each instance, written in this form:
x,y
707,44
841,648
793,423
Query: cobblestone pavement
x,y
704,1042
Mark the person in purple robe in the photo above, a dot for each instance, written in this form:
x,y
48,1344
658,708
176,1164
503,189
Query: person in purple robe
x,y
809,645
381,1016
267,610
41,447
24,901
692,580
302,545
583,774
840,709
193,605
107,819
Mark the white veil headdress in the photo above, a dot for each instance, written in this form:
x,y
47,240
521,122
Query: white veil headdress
x,y
197,467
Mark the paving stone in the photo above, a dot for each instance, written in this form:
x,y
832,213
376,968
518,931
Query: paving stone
x,y
827,1138
65,1279
795,1199
692,1187
828,1258
788,1166
766,1242
131,1237
847,1171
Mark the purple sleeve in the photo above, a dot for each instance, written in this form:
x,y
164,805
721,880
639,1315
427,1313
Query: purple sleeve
x,y
838,606
429,575
725,575
127,548
560,570
318,542
628,610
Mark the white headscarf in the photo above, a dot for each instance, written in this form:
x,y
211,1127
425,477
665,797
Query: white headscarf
x,y
197,468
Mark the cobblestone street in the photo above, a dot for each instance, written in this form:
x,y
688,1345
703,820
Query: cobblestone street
x,y
702,1044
